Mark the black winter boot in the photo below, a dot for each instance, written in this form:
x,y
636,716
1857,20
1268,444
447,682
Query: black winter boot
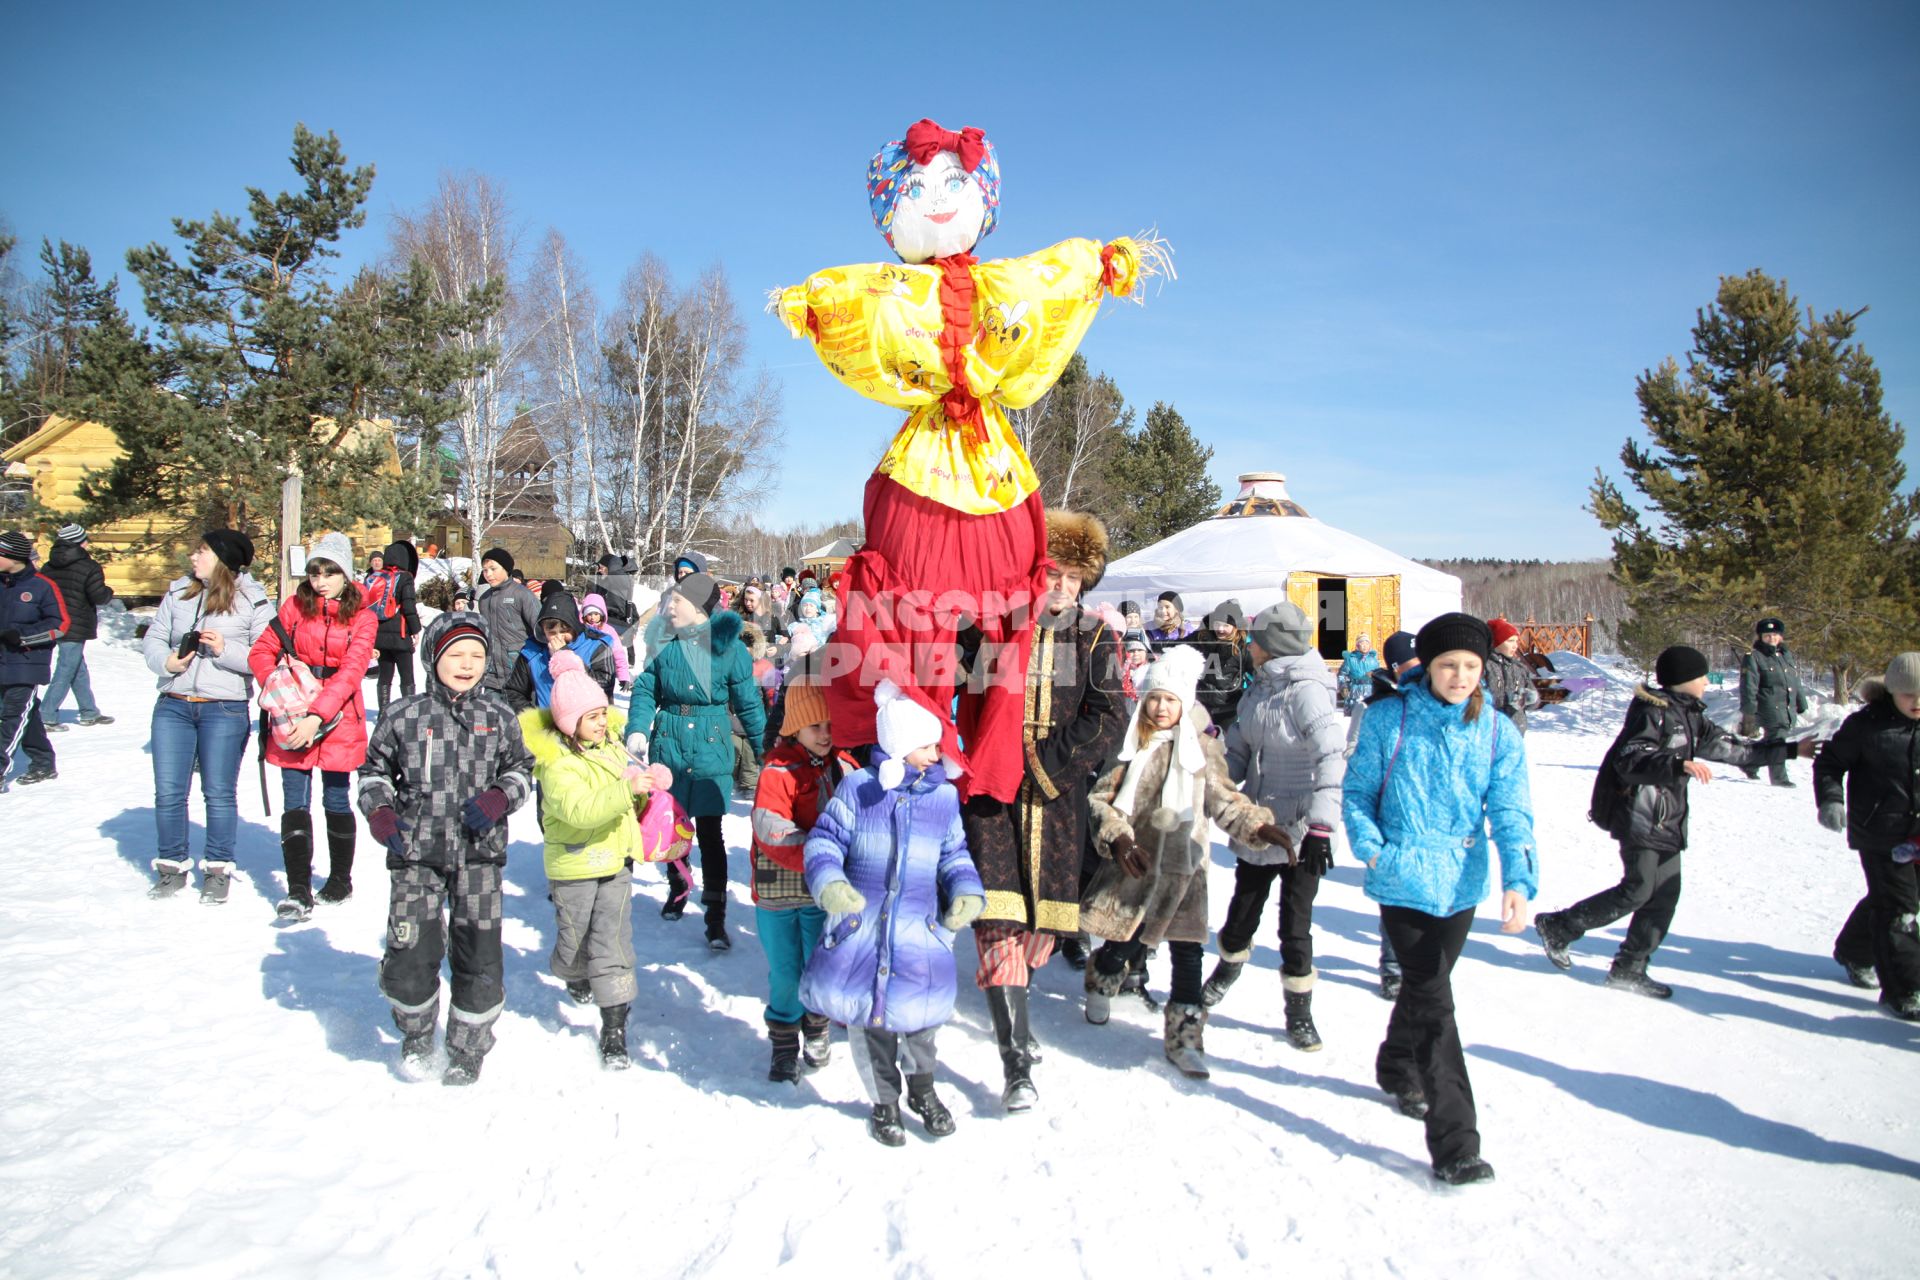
x,y
1301,1033
1461,1172
716,905
1225,974
613,1037
1628,976
1074,951
679,889
884,1125
1011,1032
296,851
786,1051
341,834
816,1040
925,1103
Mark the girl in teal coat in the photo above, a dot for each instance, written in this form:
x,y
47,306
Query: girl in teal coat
x,y
679,715
1434,767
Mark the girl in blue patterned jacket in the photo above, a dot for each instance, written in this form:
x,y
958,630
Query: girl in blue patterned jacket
x,y
887,861
1434,768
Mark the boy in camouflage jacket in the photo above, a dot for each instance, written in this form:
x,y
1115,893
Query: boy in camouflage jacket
x,y
443,771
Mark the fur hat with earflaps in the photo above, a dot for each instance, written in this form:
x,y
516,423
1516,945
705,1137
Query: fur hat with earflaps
x,y
1077,540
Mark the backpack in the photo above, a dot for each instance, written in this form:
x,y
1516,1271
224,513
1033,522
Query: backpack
x,y
288,691
381,594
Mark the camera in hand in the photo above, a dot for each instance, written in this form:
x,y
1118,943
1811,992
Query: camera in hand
x,y
189,646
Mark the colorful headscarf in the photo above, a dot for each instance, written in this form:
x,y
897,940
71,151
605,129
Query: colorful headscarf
x,y
924,141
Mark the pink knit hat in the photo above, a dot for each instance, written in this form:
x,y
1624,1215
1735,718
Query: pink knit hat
x,y
574,692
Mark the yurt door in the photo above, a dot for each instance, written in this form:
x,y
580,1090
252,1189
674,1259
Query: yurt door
x,y
1373,607
1323,600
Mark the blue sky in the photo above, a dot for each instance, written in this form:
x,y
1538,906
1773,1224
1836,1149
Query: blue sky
x,y
1424,250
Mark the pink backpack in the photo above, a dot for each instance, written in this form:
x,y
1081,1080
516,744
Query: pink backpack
x,y
666,833
288,691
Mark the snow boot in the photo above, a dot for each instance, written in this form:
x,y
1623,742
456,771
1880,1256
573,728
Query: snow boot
x,y
341,834
1101,988
1389,986
1013,1035
925,1103
1074,951
296,851
786,1051
717,939
613,1038
87,722
1459,1173
1906,1008
1410,1099
581,991
679,889
1301,1033
1186,1039
1225,974
1860,975
816,1040
1555,937
1633,977
462,1068
215,879
173,877
416,1051
38,773
884,1125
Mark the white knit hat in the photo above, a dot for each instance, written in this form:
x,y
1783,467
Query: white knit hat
x,y
1177,671
334,547
903,726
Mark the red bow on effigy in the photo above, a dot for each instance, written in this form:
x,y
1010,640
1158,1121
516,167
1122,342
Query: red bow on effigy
x,y
925,140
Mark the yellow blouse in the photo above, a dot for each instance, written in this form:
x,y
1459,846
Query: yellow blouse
x,y
876,327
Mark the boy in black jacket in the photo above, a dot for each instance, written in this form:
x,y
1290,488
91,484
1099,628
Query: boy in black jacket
x,y
443,771
1640,797
1877,755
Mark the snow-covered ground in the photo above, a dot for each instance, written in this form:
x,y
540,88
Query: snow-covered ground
x,y
190,1091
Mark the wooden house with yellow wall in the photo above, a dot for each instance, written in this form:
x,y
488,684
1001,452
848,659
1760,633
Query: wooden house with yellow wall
x,y
55,460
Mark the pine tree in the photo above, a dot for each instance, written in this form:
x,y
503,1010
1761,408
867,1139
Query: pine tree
x,y
260,367
1776,478
1159,480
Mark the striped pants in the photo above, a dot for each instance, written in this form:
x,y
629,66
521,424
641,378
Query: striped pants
x,y
1009,953
21,728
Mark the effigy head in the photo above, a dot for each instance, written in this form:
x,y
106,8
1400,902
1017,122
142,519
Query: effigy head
x,y
934,193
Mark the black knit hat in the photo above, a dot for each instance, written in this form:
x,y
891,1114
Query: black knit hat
x,y
16,545
1769,627
500,556
1172,598
1451,631
1678,664
701,591
231,548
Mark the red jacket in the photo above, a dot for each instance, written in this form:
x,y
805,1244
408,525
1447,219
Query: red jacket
x,y
325,641
793,787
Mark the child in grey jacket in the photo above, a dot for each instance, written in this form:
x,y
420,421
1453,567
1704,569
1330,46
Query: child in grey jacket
x,y
1287,749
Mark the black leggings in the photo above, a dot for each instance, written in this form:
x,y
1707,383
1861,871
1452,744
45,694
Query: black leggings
x,y
1188,957
393,661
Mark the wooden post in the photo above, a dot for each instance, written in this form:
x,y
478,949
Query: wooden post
x,y
1586,637
290,530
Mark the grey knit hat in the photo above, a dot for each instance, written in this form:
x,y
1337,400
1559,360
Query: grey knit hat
x,y
334,547
1903,673
1282,630
70,533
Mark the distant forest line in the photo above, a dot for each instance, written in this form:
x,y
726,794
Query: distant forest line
x,y
1544,590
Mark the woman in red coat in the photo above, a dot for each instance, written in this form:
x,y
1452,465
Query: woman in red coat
x,y
334,636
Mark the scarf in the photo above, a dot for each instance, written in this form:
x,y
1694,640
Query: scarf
x,y
1180,792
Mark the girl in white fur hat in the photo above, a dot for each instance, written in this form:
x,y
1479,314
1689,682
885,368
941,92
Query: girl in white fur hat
x,y
1151,814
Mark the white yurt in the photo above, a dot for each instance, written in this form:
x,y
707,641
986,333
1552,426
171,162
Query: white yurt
x,y
1263,547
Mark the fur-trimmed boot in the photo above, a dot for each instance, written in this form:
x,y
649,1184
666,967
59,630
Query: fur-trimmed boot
x,y
816,1040
341,835
785,1037
172,876
1012,1033
1101,988
296,851
1224,975
1186,1039
1301,1032
216,877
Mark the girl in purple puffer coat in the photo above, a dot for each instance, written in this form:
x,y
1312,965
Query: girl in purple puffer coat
x,y
887,861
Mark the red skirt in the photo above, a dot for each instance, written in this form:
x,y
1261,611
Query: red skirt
x,y
925,572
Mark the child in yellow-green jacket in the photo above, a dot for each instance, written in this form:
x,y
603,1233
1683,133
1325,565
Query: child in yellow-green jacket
x,y
588,786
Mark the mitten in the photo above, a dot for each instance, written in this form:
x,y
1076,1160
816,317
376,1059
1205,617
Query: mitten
x,y
10,639
1833,816
1316,851
485,810
1127,852
1270,834
637,746
841,899
387,828
965,910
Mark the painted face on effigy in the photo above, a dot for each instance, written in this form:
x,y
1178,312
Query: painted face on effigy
x,y
941,210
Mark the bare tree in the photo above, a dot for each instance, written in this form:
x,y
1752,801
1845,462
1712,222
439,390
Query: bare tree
x,y
570,413
1091,421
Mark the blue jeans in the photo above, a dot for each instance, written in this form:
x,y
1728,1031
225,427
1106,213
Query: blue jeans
x,y
70,672
296,790
210,737
788,937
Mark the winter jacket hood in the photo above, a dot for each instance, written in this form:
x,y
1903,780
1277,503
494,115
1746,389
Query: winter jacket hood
x,y
401,555
227,678
1423,787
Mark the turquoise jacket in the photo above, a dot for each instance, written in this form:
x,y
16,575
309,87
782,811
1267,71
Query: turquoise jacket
x,y
684,702
1423,786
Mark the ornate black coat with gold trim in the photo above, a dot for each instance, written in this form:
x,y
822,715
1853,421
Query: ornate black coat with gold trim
x,y
1028,852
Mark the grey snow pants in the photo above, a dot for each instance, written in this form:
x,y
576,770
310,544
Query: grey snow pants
x,y
593,942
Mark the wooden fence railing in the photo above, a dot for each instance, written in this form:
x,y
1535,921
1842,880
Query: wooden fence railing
x,y
1552,637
